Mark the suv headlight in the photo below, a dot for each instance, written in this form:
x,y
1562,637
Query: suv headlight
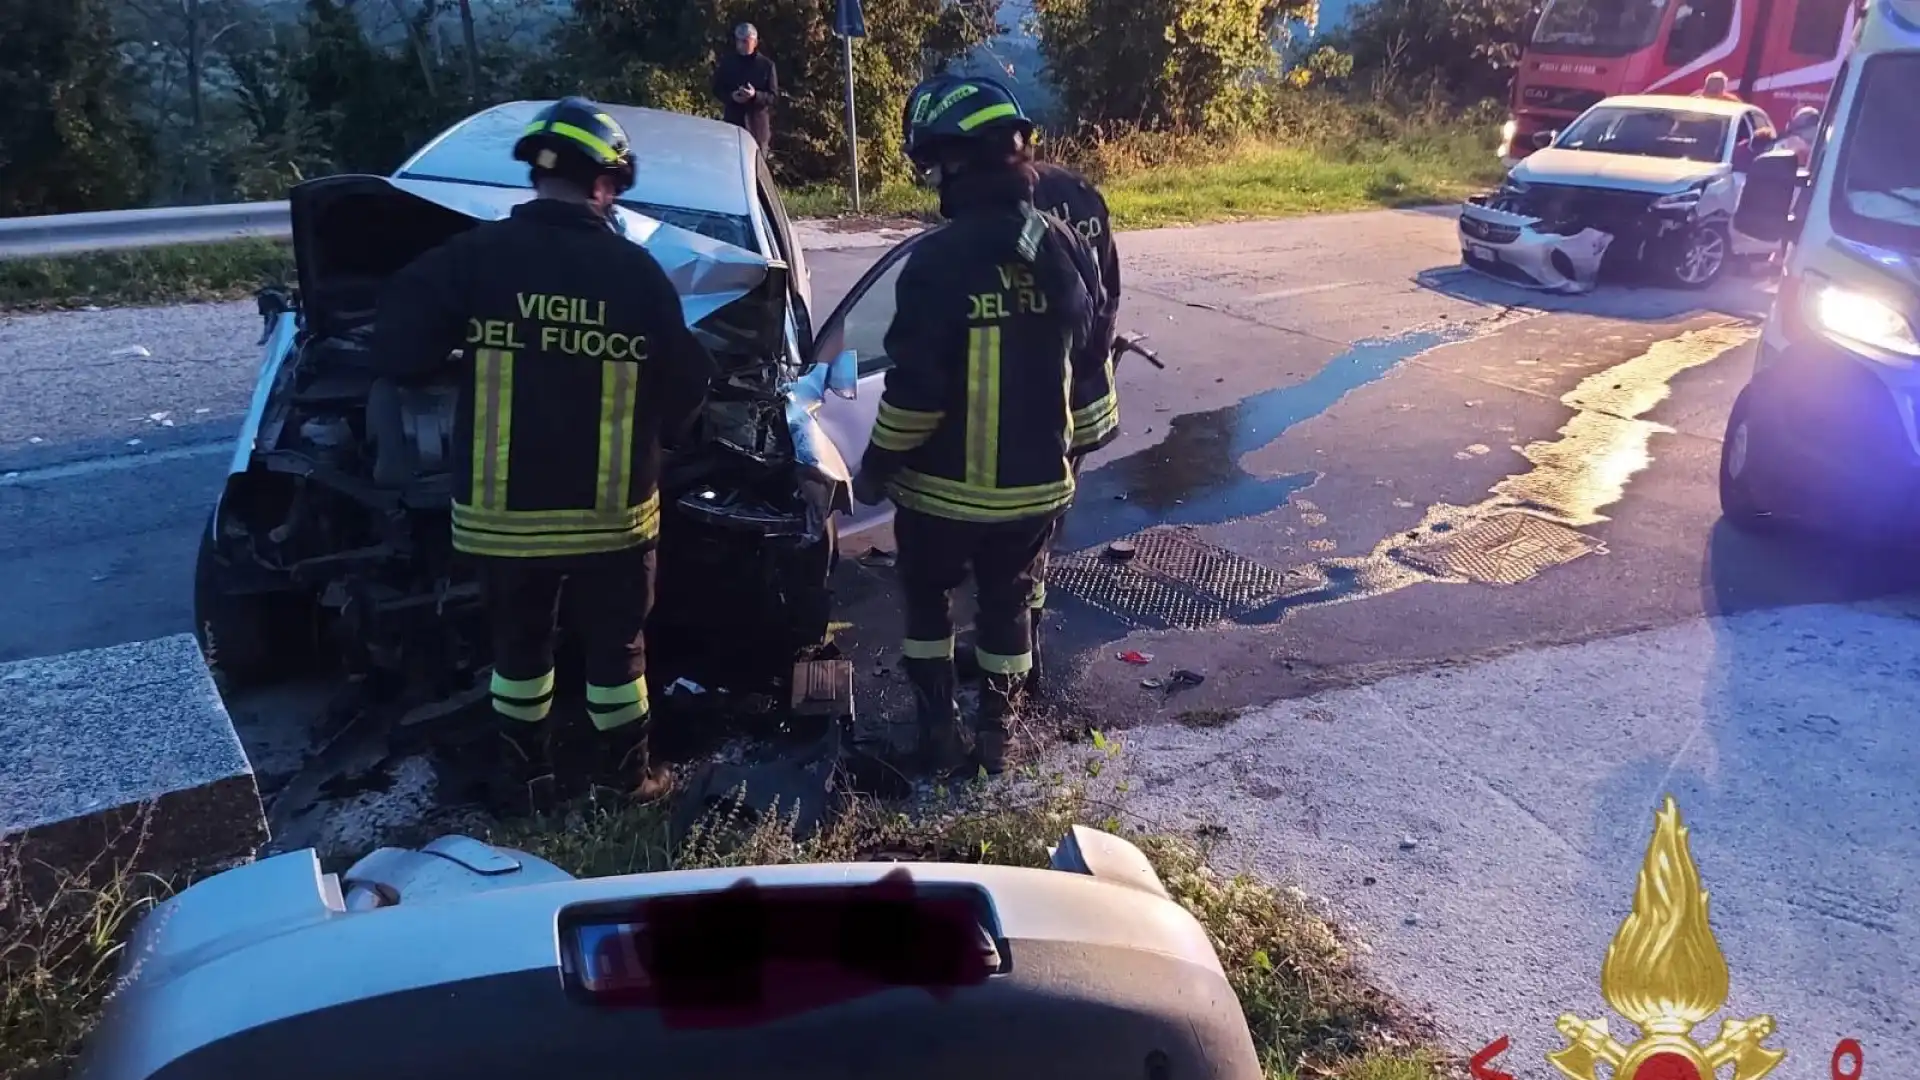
x,y
1854,317
1682,200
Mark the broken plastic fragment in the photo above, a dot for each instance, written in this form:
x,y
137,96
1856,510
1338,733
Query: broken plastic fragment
x,y
877,557
685,685
1183,677
1132,656
1151,684
131,350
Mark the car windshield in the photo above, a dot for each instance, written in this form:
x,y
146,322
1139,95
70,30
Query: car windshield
x,y
726,228
1877,197
1661,133
1598,27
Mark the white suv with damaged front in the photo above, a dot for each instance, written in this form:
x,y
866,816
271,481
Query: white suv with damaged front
x,y
1648,181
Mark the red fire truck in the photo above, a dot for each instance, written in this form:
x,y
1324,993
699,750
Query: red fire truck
x,y
1777,54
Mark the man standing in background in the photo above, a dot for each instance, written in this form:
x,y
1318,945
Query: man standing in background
x,y
746,85
1716,88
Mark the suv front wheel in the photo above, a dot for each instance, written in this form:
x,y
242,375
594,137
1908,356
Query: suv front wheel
x,y
1698,255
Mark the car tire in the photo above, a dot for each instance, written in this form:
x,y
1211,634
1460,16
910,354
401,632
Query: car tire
x,y
1737,504
248,638
1700,256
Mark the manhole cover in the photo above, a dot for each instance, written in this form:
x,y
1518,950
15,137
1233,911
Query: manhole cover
x,y
1173,581
1503,550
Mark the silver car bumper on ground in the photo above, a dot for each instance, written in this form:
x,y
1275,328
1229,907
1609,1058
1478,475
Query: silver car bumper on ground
x,y
1521,249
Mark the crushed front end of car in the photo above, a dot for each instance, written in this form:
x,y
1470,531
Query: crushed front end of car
x,y
1561,254
332,532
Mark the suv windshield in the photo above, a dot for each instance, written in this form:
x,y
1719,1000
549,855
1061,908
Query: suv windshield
x,y
1661,133
1877,195
1598,27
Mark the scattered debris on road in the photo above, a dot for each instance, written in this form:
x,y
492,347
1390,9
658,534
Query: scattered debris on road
x,y
1134,656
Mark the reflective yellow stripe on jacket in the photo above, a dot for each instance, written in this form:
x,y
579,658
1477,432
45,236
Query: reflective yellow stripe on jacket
x,y
486,525
978,497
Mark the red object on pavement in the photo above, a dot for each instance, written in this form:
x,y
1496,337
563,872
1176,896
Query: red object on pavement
x,y
1481,1065
1133,657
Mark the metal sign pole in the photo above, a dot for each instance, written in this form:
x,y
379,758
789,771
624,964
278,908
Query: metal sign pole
x,y
853,131
850,22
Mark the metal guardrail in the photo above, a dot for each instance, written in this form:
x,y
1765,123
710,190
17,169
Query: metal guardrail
x,y
67,234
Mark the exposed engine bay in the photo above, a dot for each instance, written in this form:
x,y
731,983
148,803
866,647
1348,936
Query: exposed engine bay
x,y
335,520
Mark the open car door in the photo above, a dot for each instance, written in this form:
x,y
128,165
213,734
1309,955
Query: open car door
x,y
859,326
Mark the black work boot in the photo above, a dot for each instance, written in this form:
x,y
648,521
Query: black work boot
x,y
999,704
627,763
938,715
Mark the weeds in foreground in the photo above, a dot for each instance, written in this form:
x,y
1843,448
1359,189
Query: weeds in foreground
x,y
61,932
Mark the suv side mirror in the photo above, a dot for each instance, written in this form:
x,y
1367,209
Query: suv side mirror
x,y
1544,139
1766,205
843,374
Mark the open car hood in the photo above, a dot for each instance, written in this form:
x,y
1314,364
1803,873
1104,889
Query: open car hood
x,y
358,227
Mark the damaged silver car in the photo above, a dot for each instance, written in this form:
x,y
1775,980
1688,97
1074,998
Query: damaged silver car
x,y
1649,182
330,540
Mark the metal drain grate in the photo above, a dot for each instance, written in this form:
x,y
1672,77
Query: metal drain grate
x,y
1503,550
1173,581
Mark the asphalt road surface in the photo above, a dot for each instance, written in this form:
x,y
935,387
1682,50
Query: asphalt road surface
x,y
1466,536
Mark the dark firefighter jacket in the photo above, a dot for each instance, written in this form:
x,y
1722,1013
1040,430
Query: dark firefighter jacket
x,y
1096,404
578,360
993,312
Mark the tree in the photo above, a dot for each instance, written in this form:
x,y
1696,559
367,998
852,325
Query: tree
x,y
67,138
660,52
1183,64
1464,49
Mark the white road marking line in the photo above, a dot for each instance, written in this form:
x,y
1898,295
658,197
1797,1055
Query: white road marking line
x,y
1305,290
113,463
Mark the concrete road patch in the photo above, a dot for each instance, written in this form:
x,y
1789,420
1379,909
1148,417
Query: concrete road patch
x,y
1482,825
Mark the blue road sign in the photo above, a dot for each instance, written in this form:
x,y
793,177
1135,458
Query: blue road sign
x,y
848,20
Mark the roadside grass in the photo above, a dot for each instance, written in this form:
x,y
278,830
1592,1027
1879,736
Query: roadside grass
x,y
1310,1011
177,274
1314,154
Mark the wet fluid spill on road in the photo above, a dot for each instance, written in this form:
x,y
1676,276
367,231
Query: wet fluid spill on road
x,y
1528,524
1193,476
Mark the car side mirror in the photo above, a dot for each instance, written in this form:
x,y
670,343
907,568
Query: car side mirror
x,y
843,374
1544,139
1766,205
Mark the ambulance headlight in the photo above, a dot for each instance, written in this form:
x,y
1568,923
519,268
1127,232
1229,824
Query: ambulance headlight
x,y
1855,318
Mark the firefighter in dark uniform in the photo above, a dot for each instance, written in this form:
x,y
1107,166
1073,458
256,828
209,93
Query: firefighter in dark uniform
x,y
1070,197
994,310
579,362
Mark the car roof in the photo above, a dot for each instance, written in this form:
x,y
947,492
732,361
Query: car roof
x,y
1678,102
679,160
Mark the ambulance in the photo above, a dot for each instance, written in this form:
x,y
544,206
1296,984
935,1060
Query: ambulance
x,y
1824,434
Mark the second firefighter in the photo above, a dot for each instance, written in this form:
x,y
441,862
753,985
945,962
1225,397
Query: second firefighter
x,y
994,311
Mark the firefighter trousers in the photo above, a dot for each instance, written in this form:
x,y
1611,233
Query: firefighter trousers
x,y
935,554
608,597
1037,596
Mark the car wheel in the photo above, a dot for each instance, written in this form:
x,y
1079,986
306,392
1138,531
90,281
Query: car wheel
x,y
1737,504
1700,256
249,638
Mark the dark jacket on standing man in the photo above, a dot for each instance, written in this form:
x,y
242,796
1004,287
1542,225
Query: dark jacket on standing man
x,y
756,114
